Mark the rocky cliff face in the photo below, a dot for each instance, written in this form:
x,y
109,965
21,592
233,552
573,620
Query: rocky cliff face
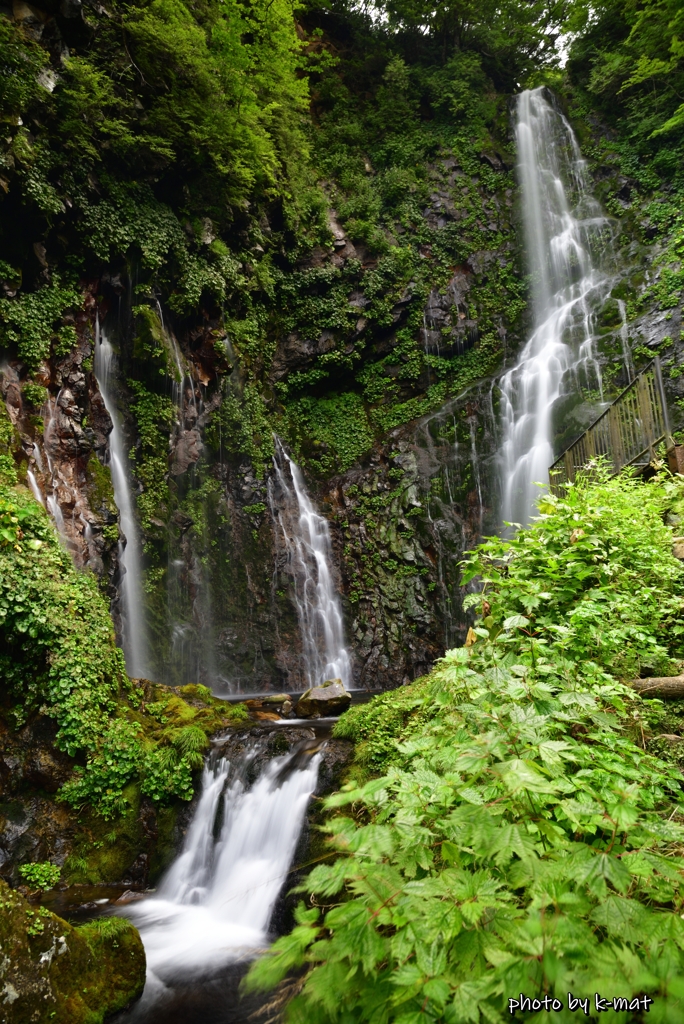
x,y
220,597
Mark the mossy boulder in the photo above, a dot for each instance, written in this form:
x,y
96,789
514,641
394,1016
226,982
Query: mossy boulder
x,y
53,972
327,699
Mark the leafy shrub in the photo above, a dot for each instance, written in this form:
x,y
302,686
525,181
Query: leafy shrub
x,y
521,839
30,322
58,647
34,394
41,876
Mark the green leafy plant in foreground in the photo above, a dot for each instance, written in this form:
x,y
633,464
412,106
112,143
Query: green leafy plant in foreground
x,y
41,876
520,838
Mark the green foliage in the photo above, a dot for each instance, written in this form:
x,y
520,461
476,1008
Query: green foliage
x,y
630,58
157,748
111,928
384,164
375,726
520,838
153,415
8,469
513,38
29,322
44,875
58,648
35,394
191,740
243,427
332,431
596,577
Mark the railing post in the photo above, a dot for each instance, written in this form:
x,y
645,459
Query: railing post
x,y
615,438
669,443
645,412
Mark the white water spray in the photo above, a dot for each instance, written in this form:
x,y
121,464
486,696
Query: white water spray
x,y
215,904
307,542
564,228
33,484
132,612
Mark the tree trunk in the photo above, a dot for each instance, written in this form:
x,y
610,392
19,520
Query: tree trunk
x,y
664,687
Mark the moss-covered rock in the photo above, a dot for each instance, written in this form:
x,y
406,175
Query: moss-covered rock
x,y
51,971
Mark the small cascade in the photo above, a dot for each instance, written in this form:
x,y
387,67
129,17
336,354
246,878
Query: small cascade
x,y
306,539
455,449
565,231
181,375
132,611
624,339
187,652
33,484
215,904
58,516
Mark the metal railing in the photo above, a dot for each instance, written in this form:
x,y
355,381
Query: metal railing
x,y
626,433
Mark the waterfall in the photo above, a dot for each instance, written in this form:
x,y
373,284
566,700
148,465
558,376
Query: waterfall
x,y
33,484
564,231
132,611
215,904
624,339
308,550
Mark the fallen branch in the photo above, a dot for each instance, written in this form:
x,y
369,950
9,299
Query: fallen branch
x,y
665,687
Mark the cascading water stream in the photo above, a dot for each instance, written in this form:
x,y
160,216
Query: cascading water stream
x,y
564,231
33,484
132,611
215,904
307,542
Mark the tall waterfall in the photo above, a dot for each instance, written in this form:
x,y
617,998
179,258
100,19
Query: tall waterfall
x,y
564,231
307,544
215,904
132,611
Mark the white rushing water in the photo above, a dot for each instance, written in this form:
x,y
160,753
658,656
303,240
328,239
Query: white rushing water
x,y
307,542
215,904
564,231
132,610
33,484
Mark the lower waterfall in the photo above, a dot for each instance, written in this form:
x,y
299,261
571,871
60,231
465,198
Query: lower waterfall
x,y
214,905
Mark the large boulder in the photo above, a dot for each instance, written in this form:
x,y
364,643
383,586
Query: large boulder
x,y
53,973
330,698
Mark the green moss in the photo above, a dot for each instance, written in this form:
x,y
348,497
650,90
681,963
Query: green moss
x,y
151,346
57,973
332,432
153,414
99,479
9,444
